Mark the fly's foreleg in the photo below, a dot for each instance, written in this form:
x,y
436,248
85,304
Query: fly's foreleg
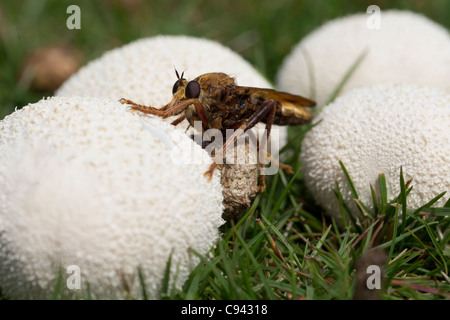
x,y
146,109
164,112
168,111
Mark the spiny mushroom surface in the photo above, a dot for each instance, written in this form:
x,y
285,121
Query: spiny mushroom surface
x,y
408,47
87,182
377,130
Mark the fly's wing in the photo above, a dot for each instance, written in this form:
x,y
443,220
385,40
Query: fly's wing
x,y
291,110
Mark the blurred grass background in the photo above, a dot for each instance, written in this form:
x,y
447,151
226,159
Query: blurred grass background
x,y
262,31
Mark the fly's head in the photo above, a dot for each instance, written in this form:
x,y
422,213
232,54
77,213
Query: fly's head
x,y
184,90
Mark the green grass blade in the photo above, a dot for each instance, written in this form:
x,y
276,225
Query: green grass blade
x,y
383,193
256,265
394,234
283,195
57,290
361,206
280,236
166,279
392,242
374,201
347,76
321,241
425,247
429,203
403,202
142,283
368,237
249,212
447,204
437,247
437,212
349,180
271,198
311,75
342,208
211,265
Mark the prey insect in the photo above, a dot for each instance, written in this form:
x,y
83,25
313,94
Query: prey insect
x,y
219,103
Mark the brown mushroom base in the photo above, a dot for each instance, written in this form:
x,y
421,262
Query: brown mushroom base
x,y
240,186
239,179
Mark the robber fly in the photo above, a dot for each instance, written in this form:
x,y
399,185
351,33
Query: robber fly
x,y
219,103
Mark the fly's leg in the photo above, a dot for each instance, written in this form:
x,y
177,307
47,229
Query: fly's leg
x,y
269,123
280,165
178,120
267,109
142,108
168,111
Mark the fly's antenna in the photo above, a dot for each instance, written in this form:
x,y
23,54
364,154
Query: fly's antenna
x,y
178,75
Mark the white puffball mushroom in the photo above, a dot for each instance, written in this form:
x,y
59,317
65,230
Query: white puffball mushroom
x,y
86,183
143,71
376,130
407,48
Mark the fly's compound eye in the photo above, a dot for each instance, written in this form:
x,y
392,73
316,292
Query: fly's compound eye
x,y
192,90
175,86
